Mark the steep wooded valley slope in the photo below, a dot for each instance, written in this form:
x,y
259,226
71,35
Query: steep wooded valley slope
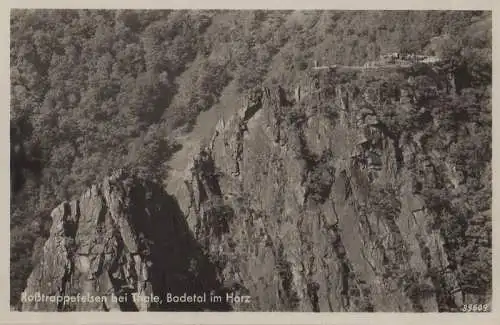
x,y
312,190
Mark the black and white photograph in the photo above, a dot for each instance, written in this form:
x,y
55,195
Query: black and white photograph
x,y
216,160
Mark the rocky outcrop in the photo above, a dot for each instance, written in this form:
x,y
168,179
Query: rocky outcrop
x,y
309,204
123,238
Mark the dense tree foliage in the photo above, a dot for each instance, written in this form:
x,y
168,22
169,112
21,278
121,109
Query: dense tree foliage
x,y
93,90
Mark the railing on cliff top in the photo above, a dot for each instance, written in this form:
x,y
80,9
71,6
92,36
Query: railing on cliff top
x,y
394,61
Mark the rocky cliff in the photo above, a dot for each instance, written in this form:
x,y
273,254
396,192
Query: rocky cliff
x,y
316,202
124,238
309,199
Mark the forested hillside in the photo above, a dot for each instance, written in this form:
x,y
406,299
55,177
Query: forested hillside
x,y
95,90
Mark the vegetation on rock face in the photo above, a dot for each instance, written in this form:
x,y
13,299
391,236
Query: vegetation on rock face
x,y
452,127
94,90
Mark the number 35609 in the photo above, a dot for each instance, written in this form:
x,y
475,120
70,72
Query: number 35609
x,y
475,308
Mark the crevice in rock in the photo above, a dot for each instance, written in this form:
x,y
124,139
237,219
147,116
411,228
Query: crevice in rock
x,y
343,264
312,292
287,293
347,185
394,137
192,200
282,97
254,105
122,290
70,226
66,282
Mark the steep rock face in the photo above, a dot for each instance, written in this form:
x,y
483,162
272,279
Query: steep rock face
x,y
312,204
124,237
316,202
